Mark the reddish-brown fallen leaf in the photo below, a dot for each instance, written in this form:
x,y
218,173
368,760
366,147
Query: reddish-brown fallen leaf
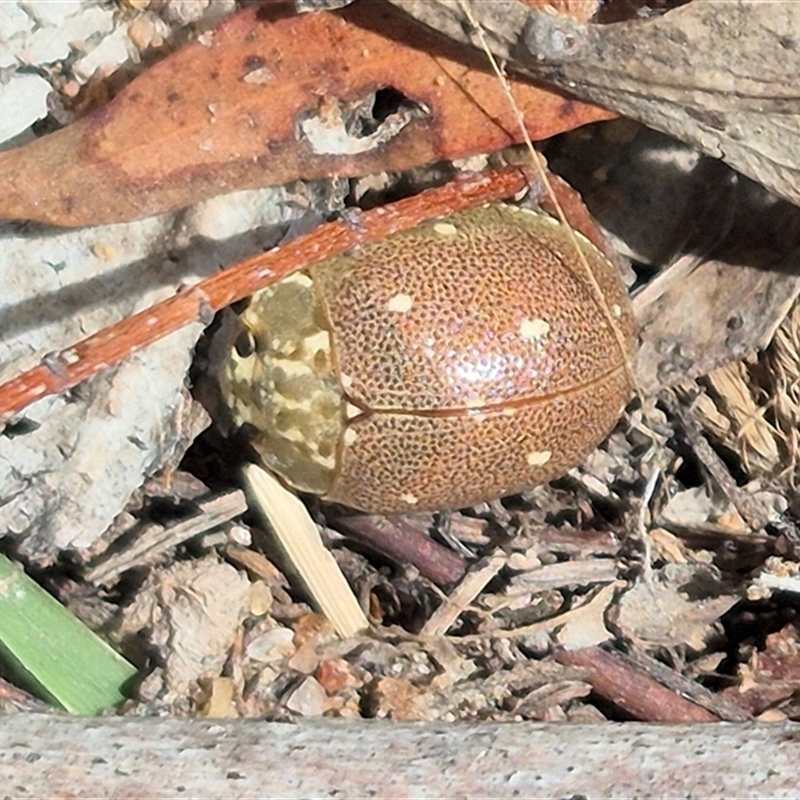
x,y
262,100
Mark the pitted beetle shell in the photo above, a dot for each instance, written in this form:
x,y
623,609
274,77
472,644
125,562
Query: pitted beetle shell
x,y
466,359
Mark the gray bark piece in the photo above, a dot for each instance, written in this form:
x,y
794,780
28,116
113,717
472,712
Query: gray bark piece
x,y
47,756
64,482
71,467
720,75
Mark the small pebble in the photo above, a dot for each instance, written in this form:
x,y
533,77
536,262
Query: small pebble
x,y
23,100
308,699
274,645
336,675
50,12
260,599
305,660
13,22
184,12
147,31
50,44
112,52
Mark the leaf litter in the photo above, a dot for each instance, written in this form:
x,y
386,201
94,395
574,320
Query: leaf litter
x,y
244,107
567,582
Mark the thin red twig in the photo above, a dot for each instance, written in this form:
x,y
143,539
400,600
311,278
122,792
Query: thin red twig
x,y
635,692
401,542
63,370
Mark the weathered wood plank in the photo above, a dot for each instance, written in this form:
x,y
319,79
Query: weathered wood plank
x,y
63,757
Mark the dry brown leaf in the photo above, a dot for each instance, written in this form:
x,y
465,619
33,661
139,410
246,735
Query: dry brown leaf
x,y
772,675
245,106
678,608
694,319
717,74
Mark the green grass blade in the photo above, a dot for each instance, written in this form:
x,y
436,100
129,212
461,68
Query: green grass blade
x,y
51,652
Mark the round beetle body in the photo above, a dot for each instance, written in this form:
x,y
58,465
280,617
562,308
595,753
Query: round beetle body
x,y
466,359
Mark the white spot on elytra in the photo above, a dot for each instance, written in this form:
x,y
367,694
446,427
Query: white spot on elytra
x,y
475,402
538,458
350,435
409,498
445,229
617,309
533,329
400,303
352,411
347,381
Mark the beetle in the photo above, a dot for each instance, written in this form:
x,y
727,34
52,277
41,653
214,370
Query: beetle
x,y
463,360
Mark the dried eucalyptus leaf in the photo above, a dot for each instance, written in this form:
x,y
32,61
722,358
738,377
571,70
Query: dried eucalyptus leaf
x,y
693,320
719,74
679,607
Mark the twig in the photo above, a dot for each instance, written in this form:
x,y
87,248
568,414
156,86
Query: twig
x,y
211,514
473,584
65,369
299,538
694,691
632,690
641,524
399,541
